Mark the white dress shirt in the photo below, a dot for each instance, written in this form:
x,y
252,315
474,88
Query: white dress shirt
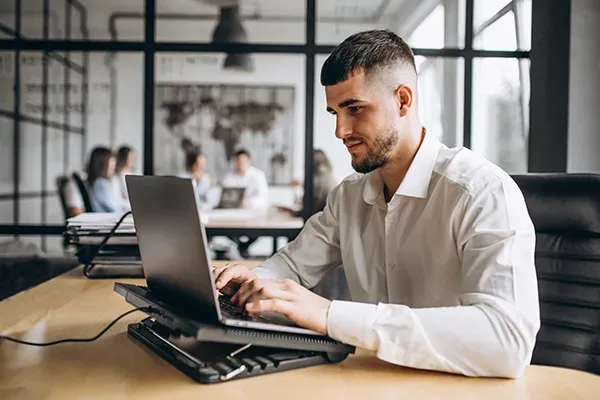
x,y
256,184
442,277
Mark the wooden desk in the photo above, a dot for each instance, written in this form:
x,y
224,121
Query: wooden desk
x,y
116,367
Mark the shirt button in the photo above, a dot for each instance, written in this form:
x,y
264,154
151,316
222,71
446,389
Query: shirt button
x,y
391,266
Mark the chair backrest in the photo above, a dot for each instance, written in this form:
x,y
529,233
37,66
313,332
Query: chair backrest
x,y
61,184
86,192
565,210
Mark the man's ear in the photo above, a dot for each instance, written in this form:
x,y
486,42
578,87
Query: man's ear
x,y
405,97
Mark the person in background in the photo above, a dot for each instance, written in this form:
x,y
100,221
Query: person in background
x,y
333,285
125,165
323,179
250,177
100,172
195,168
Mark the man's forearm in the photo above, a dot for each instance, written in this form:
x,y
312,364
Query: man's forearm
x,y
470,340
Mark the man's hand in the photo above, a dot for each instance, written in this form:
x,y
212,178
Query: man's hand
x,y
286,297
229,278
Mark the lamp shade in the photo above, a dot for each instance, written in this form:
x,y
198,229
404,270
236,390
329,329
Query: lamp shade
x,y
239,61
229,29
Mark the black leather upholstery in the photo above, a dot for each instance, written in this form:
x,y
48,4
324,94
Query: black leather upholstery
x,y
565,209
61,184
85,190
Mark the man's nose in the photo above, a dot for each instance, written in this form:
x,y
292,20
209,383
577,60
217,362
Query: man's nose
x,y
343,128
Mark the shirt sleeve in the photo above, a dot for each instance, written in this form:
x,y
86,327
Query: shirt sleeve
x,y
493,331
261,198
315,250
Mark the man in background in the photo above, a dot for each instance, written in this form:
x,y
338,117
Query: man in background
x,y
250,177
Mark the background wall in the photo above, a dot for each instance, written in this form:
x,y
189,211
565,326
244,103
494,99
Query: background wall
x,y
584,88
110,107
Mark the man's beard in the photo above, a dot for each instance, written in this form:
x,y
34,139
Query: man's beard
x,y
379,155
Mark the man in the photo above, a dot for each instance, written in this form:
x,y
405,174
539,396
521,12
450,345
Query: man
x,y
250,177
195,168
436,243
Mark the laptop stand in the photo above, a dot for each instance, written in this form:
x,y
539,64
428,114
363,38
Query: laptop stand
x,y
211,353
208,362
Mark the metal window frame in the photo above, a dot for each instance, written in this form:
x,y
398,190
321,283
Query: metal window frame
x,y
150,46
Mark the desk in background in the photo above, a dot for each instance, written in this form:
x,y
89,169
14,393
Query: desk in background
x,y
116,367
273,224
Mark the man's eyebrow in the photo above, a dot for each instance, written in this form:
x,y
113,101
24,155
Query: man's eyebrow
x,y
348,102
344,104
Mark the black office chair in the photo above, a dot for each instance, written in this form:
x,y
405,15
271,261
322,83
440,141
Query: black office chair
x,y
85,190
565,209
61,184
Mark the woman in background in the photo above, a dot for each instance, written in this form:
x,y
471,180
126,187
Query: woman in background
x,y
323,179
333,285
125,166
100,172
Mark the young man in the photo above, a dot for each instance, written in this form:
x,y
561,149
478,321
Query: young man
x,y
250,177
436,243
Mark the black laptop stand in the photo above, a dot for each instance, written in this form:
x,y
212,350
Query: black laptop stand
x,y
209,362
212,353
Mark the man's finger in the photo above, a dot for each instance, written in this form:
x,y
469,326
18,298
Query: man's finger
x,y
260,289
236,273
270,293
246,290
276,305
230,289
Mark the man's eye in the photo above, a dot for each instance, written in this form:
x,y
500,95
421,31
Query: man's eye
x,y
354,109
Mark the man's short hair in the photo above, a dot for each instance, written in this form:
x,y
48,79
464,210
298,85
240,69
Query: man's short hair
x,y
242,152
367,50
191,156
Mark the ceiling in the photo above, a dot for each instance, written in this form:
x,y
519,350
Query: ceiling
x,y
340,10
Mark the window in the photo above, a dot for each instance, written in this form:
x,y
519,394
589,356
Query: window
x,y
501,111
479,98
422,23
502,25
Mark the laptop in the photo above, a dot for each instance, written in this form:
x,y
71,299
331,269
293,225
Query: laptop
x,y
231,197
176,257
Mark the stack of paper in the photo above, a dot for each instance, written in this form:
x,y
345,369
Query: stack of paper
x,y
88,230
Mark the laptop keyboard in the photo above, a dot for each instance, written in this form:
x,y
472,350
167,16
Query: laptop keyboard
x,y
232,311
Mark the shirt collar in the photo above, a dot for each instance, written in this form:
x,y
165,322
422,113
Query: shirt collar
x,y
417,178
